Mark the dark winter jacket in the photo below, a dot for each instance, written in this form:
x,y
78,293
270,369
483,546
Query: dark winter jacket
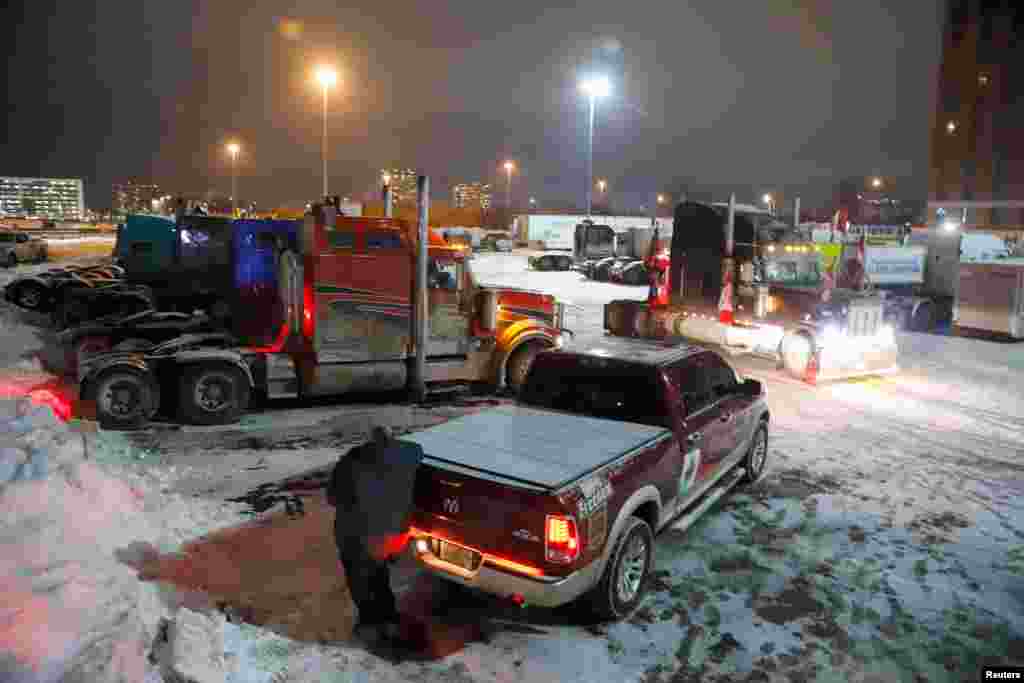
x,y
372,488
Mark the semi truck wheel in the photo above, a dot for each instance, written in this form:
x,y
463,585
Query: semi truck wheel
x,y
124,399
213,394
519,364
622,585
30,296
757,457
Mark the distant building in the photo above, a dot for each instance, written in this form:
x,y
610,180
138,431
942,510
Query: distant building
x,y
134,198
43,197
403,184
977,138
471,196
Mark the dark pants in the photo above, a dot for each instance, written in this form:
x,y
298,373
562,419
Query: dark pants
x,y
369,581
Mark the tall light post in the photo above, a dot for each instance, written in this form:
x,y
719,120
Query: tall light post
x,y
593,87
509,167
769,202
326,76
233,149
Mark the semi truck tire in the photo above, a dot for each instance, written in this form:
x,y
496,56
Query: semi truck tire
x,y
213,394
31,296
922,319
621,587
519,364
795,352
124,399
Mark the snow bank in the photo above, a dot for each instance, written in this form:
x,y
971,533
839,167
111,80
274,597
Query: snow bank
x,y
73,532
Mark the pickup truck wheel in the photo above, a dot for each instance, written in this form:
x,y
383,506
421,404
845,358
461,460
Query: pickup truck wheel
x,y
757,457
622,586
213,394
124,400
519,365
30,296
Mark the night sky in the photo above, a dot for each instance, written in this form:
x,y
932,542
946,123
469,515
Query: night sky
x,y
788,96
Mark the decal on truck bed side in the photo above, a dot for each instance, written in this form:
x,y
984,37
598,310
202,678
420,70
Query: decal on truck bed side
x,y
691,466
595,492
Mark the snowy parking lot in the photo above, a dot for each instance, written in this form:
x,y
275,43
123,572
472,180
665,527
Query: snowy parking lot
x,y
887,542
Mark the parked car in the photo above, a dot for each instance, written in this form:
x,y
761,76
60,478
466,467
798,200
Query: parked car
x,y
558,498
496,241
551,262
20,247
634,273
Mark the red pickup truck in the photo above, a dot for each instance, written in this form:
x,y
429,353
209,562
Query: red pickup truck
x,y
559,496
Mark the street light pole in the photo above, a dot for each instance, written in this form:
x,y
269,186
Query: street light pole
x,y
233,149
590,154
324,146
327,77
594,87
509,167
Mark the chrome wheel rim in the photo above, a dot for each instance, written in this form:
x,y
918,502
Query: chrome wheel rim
x,y
29,297
632,568
121,399
212,393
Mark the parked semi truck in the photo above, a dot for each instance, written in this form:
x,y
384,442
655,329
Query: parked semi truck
x,y
339,319
917,275
739,279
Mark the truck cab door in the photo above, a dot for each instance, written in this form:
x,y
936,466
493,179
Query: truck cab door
x,y
204,255
448,321
696,431
732,425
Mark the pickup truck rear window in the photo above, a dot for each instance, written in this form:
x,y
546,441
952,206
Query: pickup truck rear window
x,y
596,388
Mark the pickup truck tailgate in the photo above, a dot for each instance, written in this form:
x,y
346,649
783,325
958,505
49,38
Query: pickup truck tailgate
x,y
544,448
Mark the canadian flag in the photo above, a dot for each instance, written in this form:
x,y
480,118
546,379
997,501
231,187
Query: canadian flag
x,y
725,301
840,222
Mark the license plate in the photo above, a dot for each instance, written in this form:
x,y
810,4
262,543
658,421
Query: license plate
x,y
460,556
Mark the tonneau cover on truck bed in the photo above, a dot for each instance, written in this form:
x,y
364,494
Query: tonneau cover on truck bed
x,y
539,447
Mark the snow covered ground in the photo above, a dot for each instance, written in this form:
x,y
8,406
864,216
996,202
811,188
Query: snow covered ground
x,y
887,543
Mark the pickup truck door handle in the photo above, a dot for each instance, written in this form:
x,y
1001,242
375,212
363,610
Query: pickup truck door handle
x,y
694,438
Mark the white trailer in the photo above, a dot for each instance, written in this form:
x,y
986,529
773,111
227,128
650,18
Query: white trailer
x,y
990,297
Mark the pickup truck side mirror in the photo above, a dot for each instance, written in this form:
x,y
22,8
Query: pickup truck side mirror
x,y
751,387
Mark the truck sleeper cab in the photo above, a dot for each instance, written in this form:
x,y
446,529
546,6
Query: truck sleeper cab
x,y
558,497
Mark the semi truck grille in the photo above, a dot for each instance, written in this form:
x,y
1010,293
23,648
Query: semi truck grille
x,y
864,319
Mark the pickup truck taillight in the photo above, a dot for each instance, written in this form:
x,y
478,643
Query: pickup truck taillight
x,y
561,539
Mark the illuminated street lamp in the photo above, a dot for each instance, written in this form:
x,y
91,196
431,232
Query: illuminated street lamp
x,y
326,76
876,183
769,202
661,199
602,185
593,87
233,149
509,167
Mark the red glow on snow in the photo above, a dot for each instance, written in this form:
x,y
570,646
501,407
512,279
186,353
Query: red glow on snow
x,y
59,404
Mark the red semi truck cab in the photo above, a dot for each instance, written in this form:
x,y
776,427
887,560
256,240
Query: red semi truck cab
x,y
559,497
358,287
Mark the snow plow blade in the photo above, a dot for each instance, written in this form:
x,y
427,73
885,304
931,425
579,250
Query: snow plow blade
x,y
865,361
